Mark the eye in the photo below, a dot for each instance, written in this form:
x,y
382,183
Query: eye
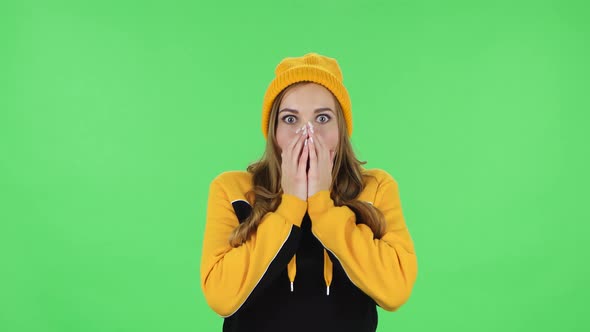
x,y
286,117
326,118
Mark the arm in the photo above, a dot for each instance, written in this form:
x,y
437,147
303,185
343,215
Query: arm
x,y
230,276
385,269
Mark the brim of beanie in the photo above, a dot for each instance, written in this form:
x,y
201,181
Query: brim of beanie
x,y
305,74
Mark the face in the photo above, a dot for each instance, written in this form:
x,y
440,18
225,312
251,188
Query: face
x,y
307,102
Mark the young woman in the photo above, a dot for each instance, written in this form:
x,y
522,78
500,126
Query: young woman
x,y
306,239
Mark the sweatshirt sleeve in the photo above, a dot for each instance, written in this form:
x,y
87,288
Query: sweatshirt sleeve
x,y
230,276
385,269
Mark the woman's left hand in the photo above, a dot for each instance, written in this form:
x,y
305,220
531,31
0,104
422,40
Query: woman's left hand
x,y
321,162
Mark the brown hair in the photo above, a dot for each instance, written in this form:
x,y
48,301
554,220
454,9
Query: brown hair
x,y
347,181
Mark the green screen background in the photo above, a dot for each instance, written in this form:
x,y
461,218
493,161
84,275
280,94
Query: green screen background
x,y
116,115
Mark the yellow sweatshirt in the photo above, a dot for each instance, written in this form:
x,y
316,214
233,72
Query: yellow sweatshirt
x,y
274,281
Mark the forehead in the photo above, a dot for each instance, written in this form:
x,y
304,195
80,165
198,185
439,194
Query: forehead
x,y
308,95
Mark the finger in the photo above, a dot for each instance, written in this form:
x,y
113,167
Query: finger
x,y
304,155
296,152
298,149
313,157
321,152
297,139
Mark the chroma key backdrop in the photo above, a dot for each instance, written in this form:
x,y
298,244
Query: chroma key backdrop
x,y
115,116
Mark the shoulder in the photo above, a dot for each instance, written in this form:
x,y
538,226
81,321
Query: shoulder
x,y
375,180
234,183
231,177
377,175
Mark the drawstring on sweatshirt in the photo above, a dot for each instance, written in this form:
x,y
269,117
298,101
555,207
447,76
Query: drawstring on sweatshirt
x,y
292,271
327,271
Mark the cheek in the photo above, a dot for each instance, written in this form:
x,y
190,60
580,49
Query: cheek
x,y
332,140
282,139
333,143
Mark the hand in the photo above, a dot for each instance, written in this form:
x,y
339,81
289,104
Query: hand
x,y
293,166
321,162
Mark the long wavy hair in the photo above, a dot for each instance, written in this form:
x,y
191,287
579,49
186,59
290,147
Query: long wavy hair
x,y
347,180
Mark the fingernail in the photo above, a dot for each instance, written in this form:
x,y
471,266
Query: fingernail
x,y
311,139
305,144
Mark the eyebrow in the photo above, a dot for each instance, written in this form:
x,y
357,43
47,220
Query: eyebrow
x,y
297,112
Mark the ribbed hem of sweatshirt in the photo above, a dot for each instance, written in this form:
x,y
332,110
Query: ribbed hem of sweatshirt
x,y
321,202
292,208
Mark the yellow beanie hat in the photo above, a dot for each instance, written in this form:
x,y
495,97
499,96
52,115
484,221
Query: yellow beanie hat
x,y
311,67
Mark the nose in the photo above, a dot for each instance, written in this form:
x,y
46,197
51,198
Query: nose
x,y
307,125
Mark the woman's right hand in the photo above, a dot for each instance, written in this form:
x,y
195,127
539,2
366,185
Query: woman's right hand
x,y
294,166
